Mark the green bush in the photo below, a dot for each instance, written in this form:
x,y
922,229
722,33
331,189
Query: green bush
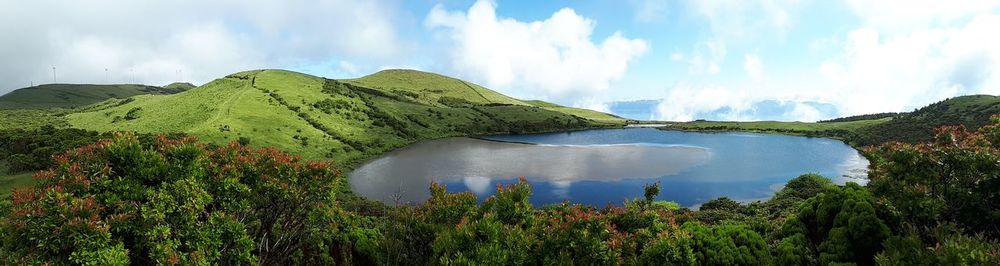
x,y
118,202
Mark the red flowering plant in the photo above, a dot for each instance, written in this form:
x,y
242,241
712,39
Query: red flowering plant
x,y
176,202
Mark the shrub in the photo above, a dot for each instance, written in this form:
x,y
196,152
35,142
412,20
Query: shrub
x,y
118,202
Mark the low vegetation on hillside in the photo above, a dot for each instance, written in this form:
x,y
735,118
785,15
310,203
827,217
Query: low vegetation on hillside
x,y
348,121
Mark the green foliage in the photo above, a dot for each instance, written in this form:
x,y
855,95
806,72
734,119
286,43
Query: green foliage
x,y
954,248
174,202
727,245
955,180
32,149
839,225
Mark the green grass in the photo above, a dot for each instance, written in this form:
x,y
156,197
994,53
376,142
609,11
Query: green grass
x,y
32,118
178,87
11,181
72,95
322,118
431,87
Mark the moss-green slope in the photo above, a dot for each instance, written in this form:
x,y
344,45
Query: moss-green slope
x,y
319,117
430,87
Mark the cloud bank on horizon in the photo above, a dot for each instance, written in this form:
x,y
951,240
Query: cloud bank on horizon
x,y
734,60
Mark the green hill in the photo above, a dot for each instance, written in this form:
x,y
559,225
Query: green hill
x,y
348,120
972,111
73,95
430,88
178,87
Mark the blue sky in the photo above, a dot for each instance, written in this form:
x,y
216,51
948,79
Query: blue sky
x,y
727,60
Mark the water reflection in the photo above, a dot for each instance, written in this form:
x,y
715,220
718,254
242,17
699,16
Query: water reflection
x,y
478,164
608,166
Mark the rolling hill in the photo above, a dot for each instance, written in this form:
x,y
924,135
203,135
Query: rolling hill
x,y
972,111
75,95
348,120
179,87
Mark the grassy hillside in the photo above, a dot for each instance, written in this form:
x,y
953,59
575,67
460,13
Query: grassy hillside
x,y
429,87
585,113
349,121
179,86
32,118
74,95
973,111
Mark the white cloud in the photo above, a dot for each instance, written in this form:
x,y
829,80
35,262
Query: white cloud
x,y
649,10
880,70
554,57
593,104
707,58
744,19
905,15
685,102
753,66
152,41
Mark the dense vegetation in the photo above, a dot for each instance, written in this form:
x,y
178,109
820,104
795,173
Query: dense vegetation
x,y
175,201
972,111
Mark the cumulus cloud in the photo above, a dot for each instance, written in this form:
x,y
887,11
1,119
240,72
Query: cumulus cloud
x,y
551,58
151,42
686,103
882,70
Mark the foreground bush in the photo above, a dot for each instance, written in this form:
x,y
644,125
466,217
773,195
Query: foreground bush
x,y
176,202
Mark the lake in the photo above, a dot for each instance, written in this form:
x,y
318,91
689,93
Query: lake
x,y
604,166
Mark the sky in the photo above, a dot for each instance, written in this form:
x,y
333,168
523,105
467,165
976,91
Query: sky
x,y
790,60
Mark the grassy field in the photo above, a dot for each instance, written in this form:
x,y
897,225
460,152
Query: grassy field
x,y
74,95
32,118
585,113
11,181
430,87
178,87
349,121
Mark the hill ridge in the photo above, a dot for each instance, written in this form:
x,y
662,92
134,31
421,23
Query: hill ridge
x,y
347,120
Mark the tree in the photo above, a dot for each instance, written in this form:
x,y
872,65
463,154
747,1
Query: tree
x,y
837,226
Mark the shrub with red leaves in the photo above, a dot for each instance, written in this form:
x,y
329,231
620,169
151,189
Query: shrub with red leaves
x,y
176,202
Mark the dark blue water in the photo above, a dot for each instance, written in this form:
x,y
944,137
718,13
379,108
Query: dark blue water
x,y
599,167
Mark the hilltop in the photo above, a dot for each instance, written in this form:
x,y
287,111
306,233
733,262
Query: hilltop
x,y
75,95
179,87
348,120
972,111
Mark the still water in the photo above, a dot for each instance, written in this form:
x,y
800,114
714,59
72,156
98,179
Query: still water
x,y
598,167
